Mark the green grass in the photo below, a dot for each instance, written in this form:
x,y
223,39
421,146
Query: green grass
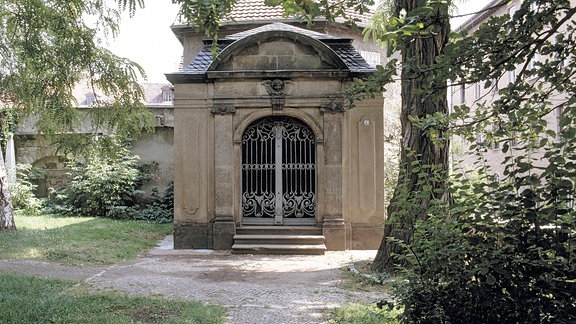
x,y
365,314
361,313
80,240
28,299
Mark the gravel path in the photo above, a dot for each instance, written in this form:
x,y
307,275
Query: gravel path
x,y
254,288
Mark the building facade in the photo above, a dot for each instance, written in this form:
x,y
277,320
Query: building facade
x,y
262,136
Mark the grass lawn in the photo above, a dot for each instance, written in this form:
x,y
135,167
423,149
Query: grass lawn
x,y
28,299
79,240
86,241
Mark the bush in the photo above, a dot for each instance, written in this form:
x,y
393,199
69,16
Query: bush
x,y
161,209
22,192
505,254
110,187
100,186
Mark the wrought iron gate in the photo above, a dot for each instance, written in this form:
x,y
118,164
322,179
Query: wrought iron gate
x,y
278,173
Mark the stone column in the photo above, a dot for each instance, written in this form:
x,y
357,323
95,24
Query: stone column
x,y
334,227
193,167
224,227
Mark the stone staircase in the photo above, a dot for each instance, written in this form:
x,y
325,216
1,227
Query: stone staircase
x,y
279,240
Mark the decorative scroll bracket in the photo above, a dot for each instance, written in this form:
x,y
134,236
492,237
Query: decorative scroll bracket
x,y
276,89
223,109
332,107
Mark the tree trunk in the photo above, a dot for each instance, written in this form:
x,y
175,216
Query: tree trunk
x,y
423,149
7,211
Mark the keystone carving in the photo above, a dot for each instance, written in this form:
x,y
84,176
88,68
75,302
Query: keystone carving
x,y
276,89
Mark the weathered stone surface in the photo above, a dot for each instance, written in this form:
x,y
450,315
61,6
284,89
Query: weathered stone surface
x,y
192,236
349,144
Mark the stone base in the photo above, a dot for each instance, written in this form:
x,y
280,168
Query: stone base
x,y
334,230
223,234
193,236
367,236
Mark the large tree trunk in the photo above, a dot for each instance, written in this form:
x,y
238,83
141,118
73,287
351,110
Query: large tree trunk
x,y
423,94
7,211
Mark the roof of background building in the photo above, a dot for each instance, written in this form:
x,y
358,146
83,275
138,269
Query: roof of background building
x,y
153,94
245,11
482,15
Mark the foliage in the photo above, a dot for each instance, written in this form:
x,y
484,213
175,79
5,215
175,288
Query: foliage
x,y
366,314
22,192
502,248
99,186
80,240
48,47
161,207
506,254
28,299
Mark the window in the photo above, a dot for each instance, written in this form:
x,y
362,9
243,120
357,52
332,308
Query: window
x,y
463,94
90,98
372,58
167,95
496,143
512,76
559,113
514,139
480,138
532,63
478,90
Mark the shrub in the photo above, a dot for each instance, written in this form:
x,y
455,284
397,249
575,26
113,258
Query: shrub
x,y
101,186
161,209
158,208
22,192
505,254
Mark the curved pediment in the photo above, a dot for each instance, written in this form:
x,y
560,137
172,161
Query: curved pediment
x,y
274,48
278,50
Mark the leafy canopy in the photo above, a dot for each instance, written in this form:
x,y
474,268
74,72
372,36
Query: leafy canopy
x,y
48,47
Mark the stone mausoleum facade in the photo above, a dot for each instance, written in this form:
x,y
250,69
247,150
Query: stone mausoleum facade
x,y
262,137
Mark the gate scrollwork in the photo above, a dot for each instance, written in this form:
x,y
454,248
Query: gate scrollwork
x,y
278,170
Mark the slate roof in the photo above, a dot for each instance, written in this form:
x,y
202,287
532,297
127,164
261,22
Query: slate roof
x,y
341,46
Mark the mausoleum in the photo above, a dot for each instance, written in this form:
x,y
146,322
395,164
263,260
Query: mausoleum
x,y
267,159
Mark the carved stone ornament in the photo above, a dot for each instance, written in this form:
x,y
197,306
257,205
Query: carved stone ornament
x,y
276,87
277,90
332,107
223,109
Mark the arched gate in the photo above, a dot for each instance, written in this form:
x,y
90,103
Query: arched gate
x,y
278,173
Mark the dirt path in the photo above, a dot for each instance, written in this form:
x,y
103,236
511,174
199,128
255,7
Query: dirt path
x,y
255,288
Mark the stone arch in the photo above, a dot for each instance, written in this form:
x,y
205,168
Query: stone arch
x,y
307,119
290,112
54,174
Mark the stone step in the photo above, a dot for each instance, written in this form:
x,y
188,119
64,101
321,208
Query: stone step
x,y
279,239
316,249
281,230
